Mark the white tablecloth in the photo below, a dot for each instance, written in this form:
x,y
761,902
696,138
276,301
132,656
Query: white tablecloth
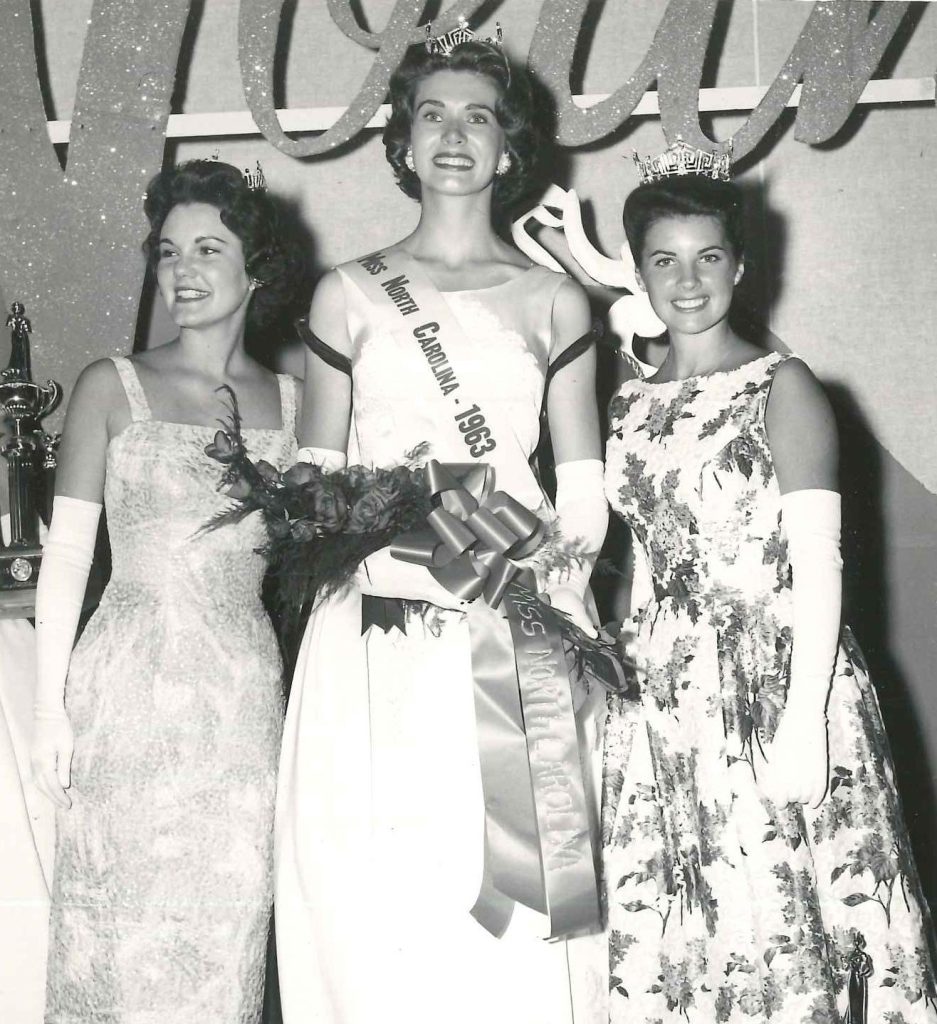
x,y
27,837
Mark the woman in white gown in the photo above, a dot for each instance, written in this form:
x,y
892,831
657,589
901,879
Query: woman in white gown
x,y
380,814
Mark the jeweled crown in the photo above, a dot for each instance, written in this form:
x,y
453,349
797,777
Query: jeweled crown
x,y
682,158
256,181
448,41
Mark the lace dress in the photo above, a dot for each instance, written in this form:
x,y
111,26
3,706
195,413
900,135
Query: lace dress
x,y
721,906
380,815
163,872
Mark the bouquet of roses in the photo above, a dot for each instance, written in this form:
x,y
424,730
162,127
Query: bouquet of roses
x,y
321,525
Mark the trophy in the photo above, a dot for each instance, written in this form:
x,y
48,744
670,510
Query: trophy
x,y
28,451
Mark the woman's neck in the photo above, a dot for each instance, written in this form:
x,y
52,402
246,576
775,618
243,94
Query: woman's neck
x,y
694,355
216,351
455,231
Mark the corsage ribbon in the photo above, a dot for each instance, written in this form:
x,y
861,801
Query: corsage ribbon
x,y
538,845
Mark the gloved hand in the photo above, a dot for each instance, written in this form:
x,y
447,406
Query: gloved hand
x,y
795,765
66,561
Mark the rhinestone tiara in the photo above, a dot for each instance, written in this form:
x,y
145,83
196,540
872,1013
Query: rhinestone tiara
x,y
681,158
447,42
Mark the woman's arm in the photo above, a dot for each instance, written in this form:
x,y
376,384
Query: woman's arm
x,y
802,435
573,417
96,409
326,413
801,431
572,410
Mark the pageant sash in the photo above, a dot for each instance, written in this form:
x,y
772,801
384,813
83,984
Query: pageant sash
x,y
419,317
538,846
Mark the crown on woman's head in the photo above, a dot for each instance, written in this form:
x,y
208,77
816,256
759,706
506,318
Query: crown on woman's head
x,y
256,180
448,41
682,158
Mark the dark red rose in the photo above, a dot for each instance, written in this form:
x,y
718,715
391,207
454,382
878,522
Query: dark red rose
x,y
328,507
223,448
357,479
375,510
279,528
239,490
301,474
302,530
269,474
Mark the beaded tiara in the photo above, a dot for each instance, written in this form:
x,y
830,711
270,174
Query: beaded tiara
x,y
446,43
681,158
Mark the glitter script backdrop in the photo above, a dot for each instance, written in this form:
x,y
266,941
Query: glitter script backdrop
x,y
71,239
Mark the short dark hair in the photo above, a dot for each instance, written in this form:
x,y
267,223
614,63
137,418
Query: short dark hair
x,y
271,257
689,195
514,110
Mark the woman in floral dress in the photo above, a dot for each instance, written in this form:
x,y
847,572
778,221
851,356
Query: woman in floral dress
x,y
757,866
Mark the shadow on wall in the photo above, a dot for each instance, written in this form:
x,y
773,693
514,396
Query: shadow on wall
x,y
865,467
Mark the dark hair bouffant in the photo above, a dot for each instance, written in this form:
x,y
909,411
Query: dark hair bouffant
x,y
271,258
689,195
514,111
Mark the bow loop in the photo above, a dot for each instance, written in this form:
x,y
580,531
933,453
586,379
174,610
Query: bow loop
x,y
475,532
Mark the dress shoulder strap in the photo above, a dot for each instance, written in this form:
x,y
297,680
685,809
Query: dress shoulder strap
x,y
575,349
139,407
322,349
288,388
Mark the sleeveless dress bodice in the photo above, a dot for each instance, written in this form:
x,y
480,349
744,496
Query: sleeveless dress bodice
x,y
502,355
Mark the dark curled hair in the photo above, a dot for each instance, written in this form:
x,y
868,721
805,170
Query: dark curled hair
x,y
514,111
271,258
689,195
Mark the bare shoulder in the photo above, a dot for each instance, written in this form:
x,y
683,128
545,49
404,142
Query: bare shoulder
x,y
572,315
98,384
796,393
801,429
327,316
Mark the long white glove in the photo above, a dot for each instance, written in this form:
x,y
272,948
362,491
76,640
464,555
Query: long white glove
x,y
66,561
582,514
797,769
328,459
382,575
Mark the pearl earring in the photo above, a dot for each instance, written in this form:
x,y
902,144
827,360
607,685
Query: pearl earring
x,y
408,160
504,164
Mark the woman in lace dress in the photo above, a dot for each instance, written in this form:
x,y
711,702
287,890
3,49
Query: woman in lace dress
x,y
162,756
380,816
754,849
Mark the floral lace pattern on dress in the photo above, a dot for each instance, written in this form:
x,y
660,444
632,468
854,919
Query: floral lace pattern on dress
x,y
163,871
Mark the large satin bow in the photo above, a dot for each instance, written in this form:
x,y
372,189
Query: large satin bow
x,y
474,532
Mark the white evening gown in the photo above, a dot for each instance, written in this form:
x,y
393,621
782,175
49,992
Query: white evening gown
x,y
380,815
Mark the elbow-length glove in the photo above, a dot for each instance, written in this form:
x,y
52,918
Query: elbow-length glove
x,y
796,768
66,562
582,515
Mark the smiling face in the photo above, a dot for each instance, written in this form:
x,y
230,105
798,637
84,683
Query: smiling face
x,y
455,136
689,271
200,270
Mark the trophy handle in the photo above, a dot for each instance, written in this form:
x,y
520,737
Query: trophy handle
x,y
51,394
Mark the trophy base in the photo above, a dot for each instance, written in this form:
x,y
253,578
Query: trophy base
x,y
19,572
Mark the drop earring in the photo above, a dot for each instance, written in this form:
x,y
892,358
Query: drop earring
x,y
504,164
408,160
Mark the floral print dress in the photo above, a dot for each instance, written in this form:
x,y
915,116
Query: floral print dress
x,y
721,905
